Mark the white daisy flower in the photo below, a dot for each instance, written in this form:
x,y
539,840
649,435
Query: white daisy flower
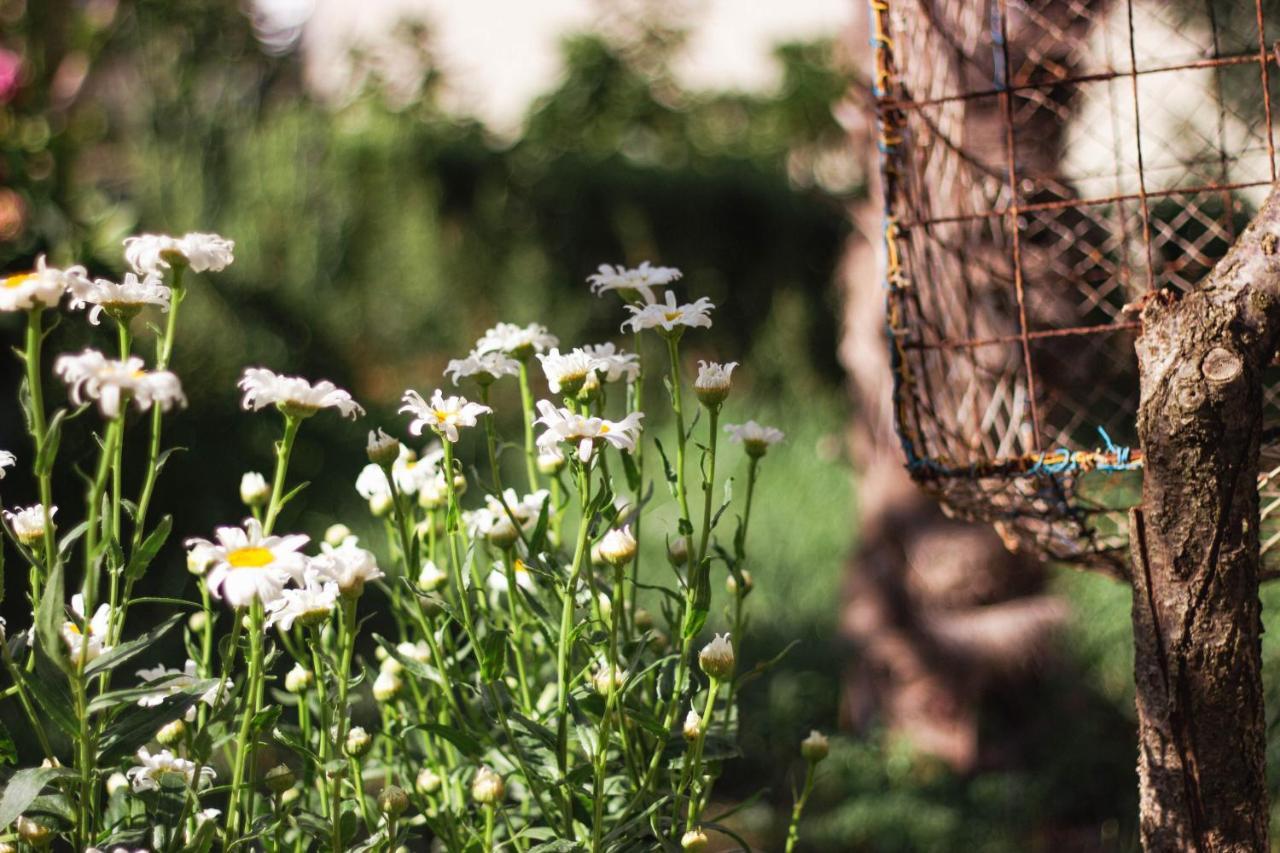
x,y
756,439
431,578
348,565
245,565
310,604
713,382
294,395
86,640
154,253
484,367
567,371
7,460
618,546
520,342
372,483
632,284
585,432
670,318
443,414
128,297
90,375
419,652
41,288
412,472
27,523
171,681
612,364
165,768
497,580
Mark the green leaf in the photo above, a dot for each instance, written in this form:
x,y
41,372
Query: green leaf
x,y
8,751
124,652
50,615
145,553
49,450
493,655
23,787
134,725
666,468
538,541
465,743
48,687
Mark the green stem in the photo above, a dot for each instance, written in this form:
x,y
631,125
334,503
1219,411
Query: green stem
x,y
602,752
677,404
709,486
283,450
343,678
488,827
566,632
247,712
793,828
530,449
695,766
39,429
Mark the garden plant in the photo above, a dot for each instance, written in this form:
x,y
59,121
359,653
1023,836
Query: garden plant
x,y
536,690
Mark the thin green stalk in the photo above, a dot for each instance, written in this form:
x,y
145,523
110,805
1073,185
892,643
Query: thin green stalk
x,y
96,491
347,632
677,404
709,486
488,828
566,632
695,767
247,712
39,430
283,450
606,721
530,449
793,828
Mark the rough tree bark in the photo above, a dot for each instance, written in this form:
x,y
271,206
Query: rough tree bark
x,y
1196,613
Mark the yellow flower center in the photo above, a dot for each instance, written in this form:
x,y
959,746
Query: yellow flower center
x,y
672,316
441,414
73,628
17,280
250,558
604,428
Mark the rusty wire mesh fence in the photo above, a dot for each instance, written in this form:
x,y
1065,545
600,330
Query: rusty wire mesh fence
x,y
1047,165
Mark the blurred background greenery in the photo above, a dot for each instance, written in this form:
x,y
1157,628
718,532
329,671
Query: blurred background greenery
x,y
379,236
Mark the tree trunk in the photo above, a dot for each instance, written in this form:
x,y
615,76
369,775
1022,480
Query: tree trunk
x,y
1196,614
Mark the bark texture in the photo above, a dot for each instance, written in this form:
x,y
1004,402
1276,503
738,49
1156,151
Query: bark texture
x,y
1196,613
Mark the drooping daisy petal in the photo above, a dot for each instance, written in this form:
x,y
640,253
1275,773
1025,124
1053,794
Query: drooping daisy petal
x,y
583,432
165,769
27,523
152,254
756,439
7,460
295,395
484,367
443,414
129,295
90,375
517,341
41,288
639,281
669,317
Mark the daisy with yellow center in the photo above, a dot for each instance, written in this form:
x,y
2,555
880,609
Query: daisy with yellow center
x,y
294,395
633,285
86,640
563,425
668,318
40,288
244,565
90,375
122,300
442,414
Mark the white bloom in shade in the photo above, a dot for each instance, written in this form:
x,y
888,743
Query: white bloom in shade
x,y
336,534
297,680
487,787
670,318
358,742
490,524
171,681
245,565
372,483
550,461
86,640
27,523
585,432
497,580
381,448
612,364
165,769
716,657
618,546
412,472
387,686
7,460
566,372
694,841
443,414
128,297
517,341
484,367
419,651
602,681
713,382
632,283
254,490
348,565
497,523
295,395
431,578
754,438
815,747
310,604
155,253
92,376
692,728
41,288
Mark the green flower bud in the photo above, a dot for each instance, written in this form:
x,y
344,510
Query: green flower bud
x,y
393,801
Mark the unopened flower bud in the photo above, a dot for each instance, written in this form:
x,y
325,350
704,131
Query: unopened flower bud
x,y
431,578
731,583
659,641
692,728
387,686
298,680
433,494
428,781
389,664
487,787
358,742
459,485
33,832
694,841
197,621
618,546
171,733
382,448
550,462
116,783
279,779
393,801
606,677
713,382
380,505
336,534
716,658
678,551
199,558
254,490
643,619
815,747
290,796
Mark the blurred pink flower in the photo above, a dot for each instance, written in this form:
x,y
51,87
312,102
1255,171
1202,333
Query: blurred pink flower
x,y
10,74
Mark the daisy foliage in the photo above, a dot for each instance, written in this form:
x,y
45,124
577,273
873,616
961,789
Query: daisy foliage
x,y
473,671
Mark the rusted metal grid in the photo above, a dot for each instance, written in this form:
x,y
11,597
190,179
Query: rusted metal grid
x,y
1046,167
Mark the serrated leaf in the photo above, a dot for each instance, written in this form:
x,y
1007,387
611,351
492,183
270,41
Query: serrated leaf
x,y
145,553
23,787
